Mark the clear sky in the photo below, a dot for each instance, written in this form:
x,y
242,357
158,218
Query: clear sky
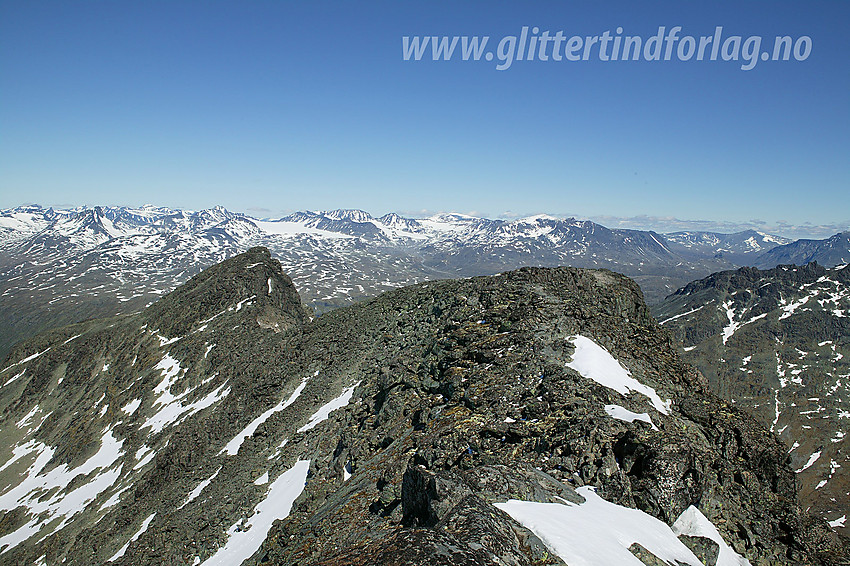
x,y
268,107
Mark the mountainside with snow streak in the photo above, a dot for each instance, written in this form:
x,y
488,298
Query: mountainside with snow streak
x,y
538,417
777,343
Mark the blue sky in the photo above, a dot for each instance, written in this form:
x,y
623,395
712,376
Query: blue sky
x,y
268,107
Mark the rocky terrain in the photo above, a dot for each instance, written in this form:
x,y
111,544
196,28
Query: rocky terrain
x,y
536,417
62,266
777,343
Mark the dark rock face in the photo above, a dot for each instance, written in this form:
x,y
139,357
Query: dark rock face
x,y
417,411
705,549
777,343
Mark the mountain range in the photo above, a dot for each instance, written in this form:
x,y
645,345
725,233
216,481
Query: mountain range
x,y
62,266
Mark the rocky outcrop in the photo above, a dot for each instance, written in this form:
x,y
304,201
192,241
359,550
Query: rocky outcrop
x,y
225,284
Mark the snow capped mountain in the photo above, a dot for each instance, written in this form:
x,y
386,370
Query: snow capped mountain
x,y
453,222
737,247
115,222
349,222
23,221
358,216
58,266
398,223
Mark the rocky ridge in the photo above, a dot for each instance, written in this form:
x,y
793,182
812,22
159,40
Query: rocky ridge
x,y
223,425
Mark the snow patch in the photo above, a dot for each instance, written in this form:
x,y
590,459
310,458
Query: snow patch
x,y
249,301
176,411
666,320
243,541
132,406
170,368
693,523
812,459
135,537
232,447
594,362
27,418
25,360
197,491
839,522
112,501
325,410
625,415
596,532
143,455
45,509
733,326
788,310
15,377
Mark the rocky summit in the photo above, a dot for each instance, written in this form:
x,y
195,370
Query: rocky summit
x,y
537,417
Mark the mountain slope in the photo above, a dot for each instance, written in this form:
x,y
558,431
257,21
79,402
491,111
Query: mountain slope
x,y
223,426
778,343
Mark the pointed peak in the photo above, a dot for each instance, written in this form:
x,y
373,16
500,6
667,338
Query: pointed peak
x,y
254,274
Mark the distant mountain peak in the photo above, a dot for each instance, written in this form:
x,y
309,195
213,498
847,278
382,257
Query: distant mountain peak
x,y
830,252
353,215
107,259
454,216
394,217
